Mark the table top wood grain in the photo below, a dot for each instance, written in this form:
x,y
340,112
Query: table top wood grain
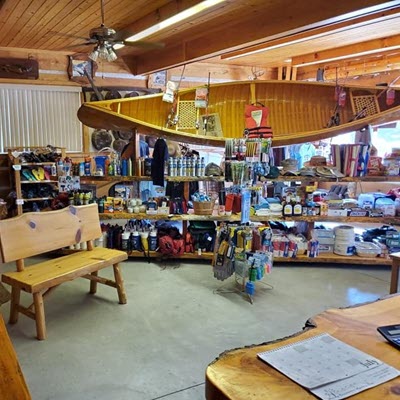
x,y
239,375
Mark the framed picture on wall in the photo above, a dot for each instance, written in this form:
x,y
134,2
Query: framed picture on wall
x,y
78,63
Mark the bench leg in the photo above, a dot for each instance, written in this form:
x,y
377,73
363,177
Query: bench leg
x,y
15,299
120,284
93,284
394,279
39,316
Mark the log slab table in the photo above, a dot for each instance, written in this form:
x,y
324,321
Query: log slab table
x,y
12,381
240,375
394,278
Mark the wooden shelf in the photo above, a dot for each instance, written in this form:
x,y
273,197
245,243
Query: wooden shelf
x,y
156,254
95,179
236,218
186,217
35,164
36,182
38,199
331,258
318,218
299,178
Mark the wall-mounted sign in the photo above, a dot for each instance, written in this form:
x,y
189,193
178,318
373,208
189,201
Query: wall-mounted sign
x,y
19,68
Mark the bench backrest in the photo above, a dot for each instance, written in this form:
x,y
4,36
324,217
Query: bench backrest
x,y
35,233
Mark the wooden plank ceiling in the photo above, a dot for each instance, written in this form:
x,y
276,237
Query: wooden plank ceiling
x,y
306,35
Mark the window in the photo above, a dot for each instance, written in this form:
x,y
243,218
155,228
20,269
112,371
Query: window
x,y
40,115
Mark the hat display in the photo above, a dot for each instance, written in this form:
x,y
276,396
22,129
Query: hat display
x,y
290,167
317,161
327,172
213,169
174,150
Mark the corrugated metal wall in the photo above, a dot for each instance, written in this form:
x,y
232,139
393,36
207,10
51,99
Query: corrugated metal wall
x,y
40,115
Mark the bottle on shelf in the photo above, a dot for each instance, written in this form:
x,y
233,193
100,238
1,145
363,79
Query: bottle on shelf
x,y
287,207
297,208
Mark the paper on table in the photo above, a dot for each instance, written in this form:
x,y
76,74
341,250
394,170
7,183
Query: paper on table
x,y
319,360
356,383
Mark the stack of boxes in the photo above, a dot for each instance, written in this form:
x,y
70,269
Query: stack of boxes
x,y
326,240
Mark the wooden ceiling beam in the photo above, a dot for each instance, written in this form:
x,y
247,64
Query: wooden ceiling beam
x,y
315,33
354,68
346,52
278,19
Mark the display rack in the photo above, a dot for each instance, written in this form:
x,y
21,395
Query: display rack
x,y
17,167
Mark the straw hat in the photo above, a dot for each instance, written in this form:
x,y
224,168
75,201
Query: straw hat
x,y
174,150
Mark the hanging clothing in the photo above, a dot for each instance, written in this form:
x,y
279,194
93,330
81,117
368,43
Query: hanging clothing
x,y
306,151
160,156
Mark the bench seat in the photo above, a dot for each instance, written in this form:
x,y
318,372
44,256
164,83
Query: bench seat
x,y
53,272
36,233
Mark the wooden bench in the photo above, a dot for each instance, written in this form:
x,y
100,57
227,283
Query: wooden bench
x,y
33,234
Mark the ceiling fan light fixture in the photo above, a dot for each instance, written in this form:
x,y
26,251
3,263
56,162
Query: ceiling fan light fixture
x,y
111,54
94,55
103,53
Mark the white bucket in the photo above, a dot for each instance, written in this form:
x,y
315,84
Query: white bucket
x,y
344,233
344,247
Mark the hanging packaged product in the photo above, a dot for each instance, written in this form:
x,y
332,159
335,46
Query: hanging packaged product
x,y
169,94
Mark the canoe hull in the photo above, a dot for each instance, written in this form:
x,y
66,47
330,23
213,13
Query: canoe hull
x,y
298,111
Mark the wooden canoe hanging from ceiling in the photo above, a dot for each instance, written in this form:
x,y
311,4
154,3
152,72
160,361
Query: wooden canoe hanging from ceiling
x,y
298,112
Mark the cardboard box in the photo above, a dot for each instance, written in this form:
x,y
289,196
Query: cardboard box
x,y
325,248
326,240
337,213
324,233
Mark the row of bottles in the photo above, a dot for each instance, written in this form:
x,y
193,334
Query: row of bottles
x,y
296,206
186,166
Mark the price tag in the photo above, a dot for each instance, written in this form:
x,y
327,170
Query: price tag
x,y
17,167
246,204
19,202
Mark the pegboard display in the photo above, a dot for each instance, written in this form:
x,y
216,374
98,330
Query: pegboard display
x,y
368,104
188,114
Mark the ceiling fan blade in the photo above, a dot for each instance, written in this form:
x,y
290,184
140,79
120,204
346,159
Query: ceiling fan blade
x,y
80,45
68,35
144,45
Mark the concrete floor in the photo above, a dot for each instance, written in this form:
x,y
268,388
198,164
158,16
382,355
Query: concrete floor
x,y
159,344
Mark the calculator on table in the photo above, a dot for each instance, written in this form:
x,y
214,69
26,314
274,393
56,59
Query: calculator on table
x,y
391,333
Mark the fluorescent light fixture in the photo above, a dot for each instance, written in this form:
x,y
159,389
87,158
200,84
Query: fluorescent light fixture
x,y
174,19
118,46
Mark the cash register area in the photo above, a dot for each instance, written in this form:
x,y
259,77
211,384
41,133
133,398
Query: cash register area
x,y
176,322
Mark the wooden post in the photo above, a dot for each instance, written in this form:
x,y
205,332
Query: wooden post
x,y
39,316
120,284
15,299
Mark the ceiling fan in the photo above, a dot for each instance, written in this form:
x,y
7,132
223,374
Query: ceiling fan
x,y
107,40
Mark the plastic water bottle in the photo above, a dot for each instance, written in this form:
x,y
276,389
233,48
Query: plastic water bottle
x,y
153,241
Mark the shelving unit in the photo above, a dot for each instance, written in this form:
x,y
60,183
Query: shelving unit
x,y
16,168
322,258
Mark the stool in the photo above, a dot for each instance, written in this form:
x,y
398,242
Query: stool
x,y
394,279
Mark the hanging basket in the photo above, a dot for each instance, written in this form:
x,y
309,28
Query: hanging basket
x,y
203,207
